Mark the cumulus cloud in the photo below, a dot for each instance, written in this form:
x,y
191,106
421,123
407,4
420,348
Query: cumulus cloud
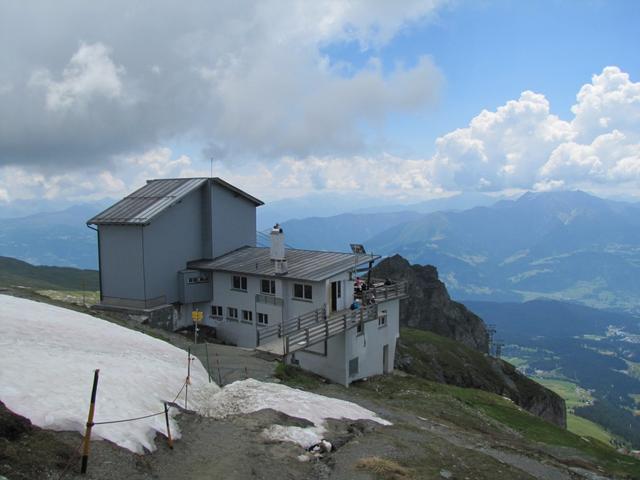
x,y
86,82
523,145
90,72
125,174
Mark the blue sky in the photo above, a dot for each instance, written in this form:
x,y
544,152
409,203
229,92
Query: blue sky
x,y
303,98
490,51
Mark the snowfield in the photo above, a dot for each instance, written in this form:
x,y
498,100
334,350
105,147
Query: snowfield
x,y
48,355
47,358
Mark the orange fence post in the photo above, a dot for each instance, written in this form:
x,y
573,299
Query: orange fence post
x,y
166,417
87,432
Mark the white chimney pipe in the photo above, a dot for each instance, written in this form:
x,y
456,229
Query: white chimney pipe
x,y
278,257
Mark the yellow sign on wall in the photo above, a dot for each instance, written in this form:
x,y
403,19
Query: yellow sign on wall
x,y
197,316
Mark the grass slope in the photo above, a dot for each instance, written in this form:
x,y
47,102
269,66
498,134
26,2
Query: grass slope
x,y
574,396
497,419
16,273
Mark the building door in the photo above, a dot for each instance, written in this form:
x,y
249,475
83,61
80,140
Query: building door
x,y
385,359
334,296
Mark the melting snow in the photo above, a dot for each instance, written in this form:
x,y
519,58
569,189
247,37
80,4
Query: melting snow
x,y
46,369
250,395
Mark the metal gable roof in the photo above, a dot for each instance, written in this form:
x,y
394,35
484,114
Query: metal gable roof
x,y
141,206
309,265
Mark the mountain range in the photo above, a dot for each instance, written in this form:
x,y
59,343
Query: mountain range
x,y
562,245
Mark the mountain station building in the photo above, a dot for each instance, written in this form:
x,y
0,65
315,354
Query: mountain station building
x,y
178,246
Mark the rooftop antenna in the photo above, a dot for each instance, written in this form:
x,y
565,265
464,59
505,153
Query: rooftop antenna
x,y
211,163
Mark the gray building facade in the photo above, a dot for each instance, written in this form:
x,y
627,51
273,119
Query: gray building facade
x,y
180,245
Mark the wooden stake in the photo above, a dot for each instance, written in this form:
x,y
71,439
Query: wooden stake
x,y
219,375
166,417
206,348
87,432
186,386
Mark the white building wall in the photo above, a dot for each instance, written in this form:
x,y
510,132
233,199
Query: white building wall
x,y
332,365
368,346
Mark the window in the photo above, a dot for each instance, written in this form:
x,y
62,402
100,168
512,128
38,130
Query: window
x,y
360,328
382,319
263,319
302,291
239,283
201,279
216,311
353,366
268,287
232,313
339,290
247,316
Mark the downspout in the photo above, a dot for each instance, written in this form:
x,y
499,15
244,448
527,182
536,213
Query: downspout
x,y
99,261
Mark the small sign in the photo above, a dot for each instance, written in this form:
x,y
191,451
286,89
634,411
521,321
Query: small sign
x,y
197,316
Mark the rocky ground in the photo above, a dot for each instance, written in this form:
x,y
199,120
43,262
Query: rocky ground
x,y
434,435
439,431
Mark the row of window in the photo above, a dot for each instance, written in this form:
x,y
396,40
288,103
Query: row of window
x,y
232,314
301,291
197,280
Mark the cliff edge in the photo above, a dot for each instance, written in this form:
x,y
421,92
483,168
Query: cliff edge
x,y
429,306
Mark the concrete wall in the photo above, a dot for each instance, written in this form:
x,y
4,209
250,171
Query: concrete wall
x,y
332,366
171,240
233,221
368,347
122,263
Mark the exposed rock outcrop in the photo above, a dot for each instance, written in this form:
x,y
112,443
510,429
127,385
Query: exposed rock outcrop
x,y
440,359
429,306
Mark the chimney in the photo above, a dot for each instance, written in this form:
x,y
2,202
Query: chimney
x,y
277,250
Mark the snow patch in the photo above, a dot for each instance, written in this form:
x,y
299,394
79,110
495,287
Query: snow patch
x,y
48,358
49,355
250,395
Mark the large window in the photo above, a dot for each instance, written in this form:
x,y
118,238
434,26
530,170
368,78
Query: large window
x,y
232,313
247,316
239,283
268,287
302,291
263,319
216,311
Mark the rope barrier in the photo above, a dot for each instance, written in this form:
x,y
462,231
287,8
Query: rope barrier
x,y
129,419
142,417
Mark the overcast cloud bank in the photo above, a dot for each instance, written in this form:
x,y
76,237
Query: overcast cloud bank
x,y
94,100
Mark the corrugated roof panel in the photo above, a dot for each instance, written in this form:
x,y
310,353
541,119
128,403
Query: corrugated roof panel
x,y
306,265
148,201
141,206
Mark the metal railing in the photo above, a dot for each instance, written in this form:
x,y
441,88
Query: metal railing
x,y
381,292
269,299
336,323
315,327
267,334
